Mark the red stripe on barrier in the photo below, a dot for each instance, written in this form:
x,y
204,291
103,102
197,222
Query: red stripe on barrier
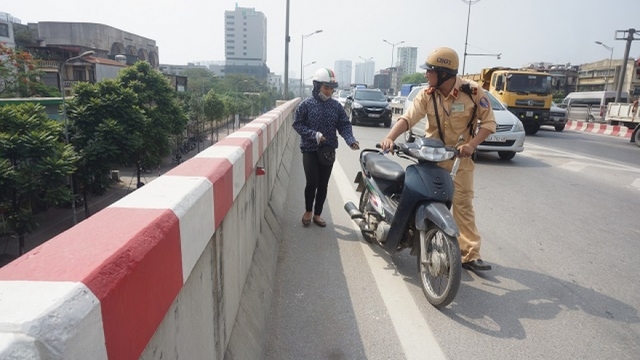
x,y
258,132
247,145
129,258
220,174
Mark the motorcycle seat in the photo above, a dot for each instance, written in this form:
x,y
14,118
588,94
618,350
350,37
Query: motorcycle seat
x,y
381,167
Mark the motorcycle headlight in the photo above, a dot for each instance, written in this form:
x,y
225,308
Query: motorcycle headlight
x,y
433,154
518,127
388,107
357,105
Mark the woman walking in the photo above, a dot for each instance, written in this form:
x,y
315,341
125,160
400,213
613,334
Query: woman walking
x,y
317,120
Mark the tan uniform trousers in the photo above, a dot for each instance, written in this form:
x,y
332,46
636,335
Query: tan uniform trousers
x,y
463,214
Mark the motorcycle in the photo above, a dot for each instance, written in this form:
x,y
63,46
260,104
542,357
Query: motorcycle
x,y
411,208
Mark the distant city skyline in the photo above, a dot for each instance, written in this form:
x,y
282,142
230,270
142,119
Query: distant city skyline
x,y
190,33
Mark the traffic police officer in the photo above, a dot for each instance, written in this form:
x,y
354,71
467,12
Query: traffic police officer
x,y
455,108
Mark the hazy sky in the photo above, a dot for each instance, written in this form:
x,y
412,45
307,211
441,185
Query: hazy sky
x,y
557,31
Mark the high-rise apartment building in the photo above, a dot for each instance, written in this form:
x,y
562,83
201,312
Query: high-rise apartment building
x,y
407,60
246,42
343,70
364,72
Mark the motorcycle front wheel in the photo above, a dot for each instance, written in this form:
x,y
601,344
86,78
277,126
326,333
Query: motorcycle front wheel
x,y
439,266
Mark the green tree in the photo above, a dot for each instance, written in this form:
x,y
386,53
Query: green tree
x,y
214,109
34,166
106,123
415,78
159,102
230,109
19,75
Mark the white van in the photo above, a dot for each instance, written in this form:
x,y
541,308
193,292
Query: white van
x,y
590,105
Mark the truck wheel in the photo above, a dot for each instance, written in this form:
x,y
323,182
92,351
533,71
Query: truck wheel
x,y
531,129
506,155
559,127
636,136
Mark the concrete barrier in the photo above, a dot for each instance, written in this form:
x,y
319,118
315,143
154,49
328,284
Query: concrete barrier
x,y
599,128
180,268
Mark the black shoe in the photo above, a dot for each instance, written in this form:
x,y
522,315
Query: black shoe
x,y
476,265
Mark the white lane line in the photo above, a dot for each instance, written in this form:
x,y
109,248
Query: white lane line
x,y
414,333
604,163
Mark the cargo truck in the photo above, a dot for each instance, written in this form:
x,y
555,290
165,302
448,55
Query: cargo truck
x,y
525,92
626,115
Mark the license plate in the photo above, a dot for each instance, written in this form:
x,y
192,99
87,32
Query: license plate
x,y
374,115
495,138
529,113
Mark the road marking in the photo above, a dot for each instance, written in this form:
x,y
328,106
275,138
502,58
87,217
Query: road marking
x,y
414,333
606,164
636,184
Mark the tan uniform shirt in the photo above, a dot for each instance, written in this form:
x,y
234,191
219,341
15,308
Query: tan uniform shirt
x,y
454,110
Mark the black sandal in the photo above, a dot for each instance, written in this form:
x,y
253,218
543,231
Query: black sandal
x,y
306,222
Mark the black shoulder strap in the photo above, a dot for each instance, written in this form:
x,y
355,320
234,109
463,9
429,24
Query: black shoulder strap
x,y
435,108
466,88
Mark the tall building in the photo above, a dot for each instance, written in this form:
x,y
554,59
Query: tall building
x,y
343,70
6,30
246,42
364,72
407,60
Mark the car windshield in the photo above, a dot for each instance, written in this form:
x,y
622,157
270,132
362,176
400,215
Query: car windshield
x,y
529,84
370,95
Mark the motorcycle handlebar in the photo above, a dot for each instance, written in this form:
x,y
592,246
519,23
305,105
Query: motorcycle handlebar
x,y
395,146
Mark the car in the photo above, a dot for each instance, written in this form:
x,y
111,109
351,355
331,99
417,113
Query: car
x,y
368,106
342,96
507,140
557,117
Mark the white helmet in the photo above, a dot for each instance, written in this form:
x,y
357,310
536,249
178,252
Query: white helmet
x,y
326,77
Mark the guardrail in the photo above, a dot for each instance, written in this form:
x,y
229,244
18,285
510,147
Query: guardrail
x,y
165,270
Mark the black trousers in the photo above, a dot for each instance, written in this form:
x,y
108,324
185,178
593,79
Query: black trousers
x,y
317,182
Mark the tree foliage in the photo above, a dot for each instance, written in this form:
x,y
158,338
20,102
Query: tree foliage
x,y
161,108
19,75
415,78
34,166
106,131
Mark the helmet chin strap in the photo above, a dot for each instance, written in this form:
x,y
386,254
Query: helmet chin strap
x,y
442,77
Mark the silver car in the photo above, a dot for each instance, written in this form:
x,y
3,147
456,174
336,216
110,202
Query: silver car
x,y
507,140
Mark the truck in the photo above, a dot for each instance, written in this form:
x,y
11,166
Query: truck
x,y
405,89
625,114
525,92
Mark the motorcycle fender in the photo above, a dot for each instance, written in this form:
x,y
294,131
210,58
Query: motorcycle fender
x,y
439,215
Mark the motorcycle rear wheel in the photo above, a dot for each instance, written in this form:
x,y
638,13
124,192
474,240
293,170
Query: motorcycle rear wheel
x,y
439,266
364,201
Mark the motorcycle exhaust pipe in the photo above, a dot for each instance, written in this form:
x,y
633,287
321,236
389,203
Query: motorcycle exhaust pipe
x,y
353,211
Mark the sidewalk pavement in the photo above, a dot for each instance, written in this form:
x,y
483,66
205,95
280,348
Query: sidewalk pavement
x,y
57,220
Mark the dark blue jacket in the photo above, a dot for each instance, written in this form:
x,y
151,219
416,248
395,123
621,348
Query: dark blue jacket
x,y
327,117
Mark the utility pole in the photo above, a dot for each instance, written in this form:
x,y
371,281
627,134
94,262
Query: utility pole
x,y
287,39
466,38
629,36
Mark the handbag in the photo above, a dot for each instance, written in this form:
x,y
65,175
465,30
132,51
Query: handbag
x,y
326,154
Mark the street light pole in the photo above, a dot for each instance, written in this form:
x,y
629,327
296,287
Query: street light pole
x,y
606,77
393,48
466,38
66,123
302,59
285,94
